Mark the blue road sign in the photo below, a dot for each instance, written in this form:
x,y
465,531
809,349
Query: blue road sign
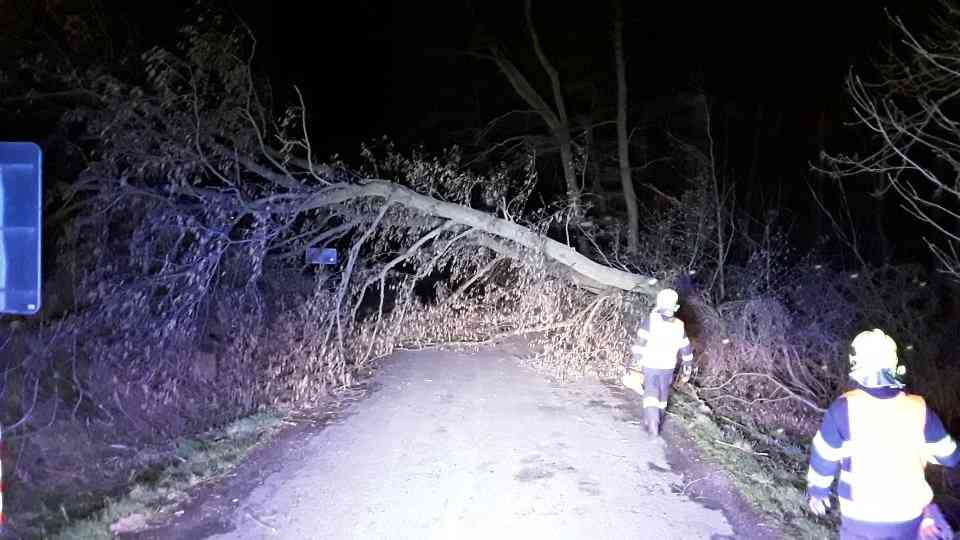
x,y
321,256
20,227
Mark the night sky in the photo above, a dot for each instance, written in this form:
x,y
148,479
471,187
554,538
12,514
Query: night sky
x,y
379,67
370,68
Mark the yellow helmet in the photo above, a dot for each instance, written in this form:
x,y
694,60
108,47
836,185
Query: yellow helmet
x,y
873,359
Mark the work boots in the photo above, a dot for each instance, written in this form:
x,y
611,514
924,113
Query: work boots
x,y
651,417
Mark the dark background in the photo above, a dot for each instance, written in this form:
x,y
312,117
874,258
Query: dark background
x,y
774,75
392,67
387,67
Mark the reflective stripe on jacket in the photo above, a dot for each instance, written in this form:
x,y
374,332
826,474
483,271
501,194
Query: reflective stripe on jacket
x,y
834,451
884,481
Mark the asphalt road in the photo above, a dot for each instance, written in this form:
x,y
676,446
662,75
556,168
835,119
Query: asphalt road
x,y
471,445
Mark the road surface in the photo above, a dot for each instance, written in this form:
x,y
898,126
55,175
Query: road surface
x,y
471,446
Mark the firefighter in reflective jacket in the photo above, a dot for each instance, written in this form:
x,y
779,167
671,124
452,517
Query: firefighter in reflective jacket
x,y
879,439
660,338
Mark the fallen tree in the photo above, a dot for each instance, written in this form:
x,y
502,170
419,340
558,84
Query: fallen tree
x,y
199,200
586,272
185,242
181,249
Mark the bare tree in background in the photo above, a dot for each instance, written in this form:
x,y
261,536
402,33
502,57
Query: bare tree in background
x,y
623,146
555,117
913,115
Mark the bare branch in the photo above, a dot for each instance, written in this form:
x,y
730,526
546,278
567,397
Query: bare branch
x,y
917,141
547,66
790,393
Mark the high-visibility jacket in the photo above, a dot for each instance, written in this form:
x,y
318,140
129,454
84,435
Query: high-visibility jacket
x,y
659,341
880,441
887,458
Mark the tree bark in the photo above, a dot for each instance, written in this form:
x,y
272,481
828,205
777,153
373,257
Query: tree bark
x,y
586,272
562,129
593,166
623,148
755,157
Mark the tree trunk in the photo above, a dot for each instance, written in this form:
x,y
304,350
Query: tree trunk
x,y
556,121
587,273
623,148
758,133
562,128
569,173
593,166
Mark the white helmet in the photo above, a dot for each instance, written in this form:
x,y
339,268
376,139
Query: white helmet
x,y
873,360
667,300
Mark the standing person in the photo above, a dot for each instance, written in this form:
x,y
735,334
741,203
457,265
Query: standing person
x,y
660,338
879,438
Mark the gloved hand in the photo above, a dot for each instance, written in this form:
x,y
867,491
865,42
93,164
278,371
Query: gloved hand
x,y
934,526
819,505
685,373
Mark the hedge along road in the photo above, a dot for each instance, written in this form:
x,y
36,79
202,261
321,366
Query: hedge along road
x,y
471,445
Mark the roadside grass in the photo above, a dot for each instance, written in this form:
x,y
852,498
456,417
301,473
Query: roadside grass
x,y
155,491
767,469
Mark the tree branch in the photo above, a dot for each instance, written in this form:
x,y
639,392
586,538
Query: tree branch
x,y
482,221
547,66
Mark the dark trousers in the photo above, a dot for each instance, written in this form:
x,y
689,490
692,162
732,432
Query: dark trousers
x,y
656,389
857,530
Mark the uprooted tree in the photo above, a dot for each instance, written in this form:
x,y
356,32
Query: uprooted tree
x,y
197,202
184,238
188,226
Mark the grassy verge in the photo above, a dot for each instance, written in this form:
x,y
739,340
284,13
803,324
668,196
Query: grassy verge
x,y
765,468
156,490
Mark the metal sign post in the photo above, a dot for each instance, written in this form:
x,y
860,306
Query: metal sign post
x,y
1,478
21,231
